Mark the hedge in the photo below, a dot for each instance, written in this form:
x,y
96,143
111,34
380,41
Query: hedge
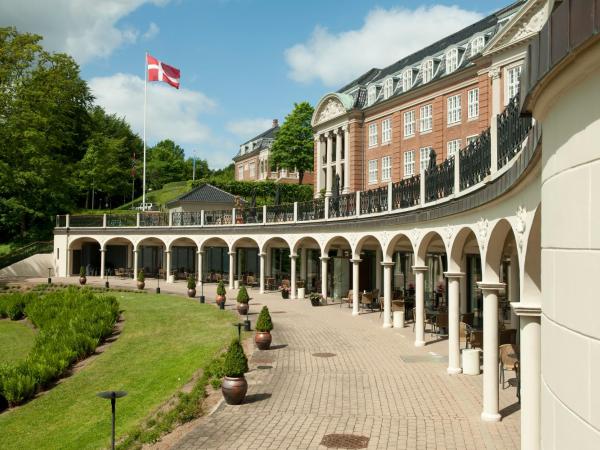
x,y
264,190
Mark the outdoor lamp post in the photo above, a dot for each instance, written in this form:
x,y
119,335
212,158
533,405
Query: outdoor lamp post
x,y
113,396
202,298
239,327
49,272
247,321
106,285
158,283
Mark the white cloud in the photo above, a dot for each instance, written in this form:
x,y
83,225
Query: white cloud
x,y
82,28
151,32
247,128
385,37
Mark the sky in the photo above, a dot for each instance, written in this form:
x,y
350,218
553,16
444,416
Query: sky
x,y
243,62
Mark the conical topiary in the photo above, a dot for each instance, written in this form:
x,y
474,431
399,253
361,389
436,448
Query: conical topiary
x,y
191,282
221,288
243,296
141,276
264,322
236,363
82,271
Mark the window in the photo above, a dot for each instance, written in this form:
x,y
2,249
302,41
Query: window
x,y
473,103
409,123
371,95
451,60
409,163
372,171
477,45
407,80
252,169
372,135
453,148
424,159
386,130
240,172
425,118
454,109
427,70
512,82
388,88
386,168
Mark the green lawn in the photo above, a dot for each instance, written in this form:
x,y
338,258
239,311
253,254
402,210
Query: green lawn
x,y
16,339
5,249
164,341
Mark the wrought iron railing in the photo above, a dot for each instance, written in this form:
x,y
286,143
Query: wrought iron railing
x,y
121,220
280,213
218,217
249,215
406,193
512,129
61,221
311,210
475,160
26,251
374,200
342,206
182,219
86,221
154,219
439,181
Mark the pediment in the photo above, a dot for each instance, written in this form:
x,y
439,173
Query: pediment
x,y
331,106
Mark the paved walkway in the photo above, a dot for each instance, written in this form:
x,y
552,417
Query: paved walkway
x,y
376,384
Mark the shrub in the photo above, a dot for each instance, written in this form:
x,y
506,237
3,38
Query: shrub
x,y
13,305
263,190
243,296
82,271
141,276
236,363
16,384
221,288
264,322
191,282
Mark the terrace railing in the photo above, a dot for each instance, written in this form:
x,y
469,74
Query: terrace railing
x,y
374,200
218,217
342,206
183,219
121,220
249,215
311,210
87,221
512,130
475,161
280,213
406,193
154,219
439,181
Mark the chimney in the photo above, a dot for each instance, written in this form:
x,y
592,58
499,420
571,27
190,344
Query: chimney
x,y
275,123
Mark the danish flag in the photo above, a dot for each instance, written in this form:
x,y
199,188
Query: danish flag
x,y
159,71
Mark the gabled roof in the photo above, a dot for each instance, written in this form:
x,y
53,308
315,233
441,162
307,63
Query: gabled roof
x,y
206,193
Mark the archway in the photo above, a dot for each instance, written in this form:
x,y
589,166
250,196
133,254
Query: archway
x,y
279,263
84,252
335,268
183,258
118,257
243,260
150,257
215,260
310,253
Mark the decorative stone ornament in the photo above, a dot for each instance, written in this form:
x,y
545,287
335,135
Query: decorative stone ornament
x,y
332,108
448,233
483,227
521,226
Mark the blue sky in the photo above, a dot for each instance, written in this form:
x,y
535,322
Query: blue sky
x,y
243,62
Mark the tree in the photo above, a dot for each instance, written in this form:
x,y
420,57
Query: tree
x,y
293,147
202,170
165,163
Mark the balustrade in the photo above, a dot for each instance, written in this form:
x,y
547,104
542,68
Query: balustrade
x,y
87,221
374,200
342,206
439,181
475,160
280,213
61,221
249,215
218,217
311,210
179,219
154,219
512,129
406,193
121,220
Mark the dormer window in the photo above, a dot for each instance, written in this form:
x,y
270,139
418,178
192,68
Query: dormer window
x,y
477,45
427,70
407,80
451,60
388,88
371,95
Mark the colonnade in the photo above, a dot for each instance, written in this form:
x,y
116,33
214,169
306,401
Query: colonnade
x,y
330,142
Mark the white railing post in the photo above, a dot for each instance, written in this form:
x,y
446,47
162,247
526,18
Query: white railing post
x,y
422,188
103,220
326,207
68,221
264,214
201,217
137,220
357,203
389,192
457,173
295,212
232,216
170,219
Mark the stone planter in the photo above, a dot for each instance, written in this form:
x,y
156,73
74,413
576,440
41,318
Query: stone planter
x,y
82,280
242,308
234,390
301,292
191,292
236,284
141,285
262,339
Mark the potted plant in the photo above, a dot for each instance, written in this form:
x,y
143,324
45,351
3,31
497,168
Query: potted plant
x,y
141,279
82,278
315,299
242,300
191,284
285,292
221,294
234,385
264,325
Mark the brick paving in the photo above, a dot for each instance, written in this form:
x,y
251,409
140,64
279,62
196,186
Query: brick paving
x,y
377,385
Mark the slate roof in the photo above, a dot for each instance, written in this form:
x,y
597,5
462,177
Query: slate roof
x,y
206,193
265,140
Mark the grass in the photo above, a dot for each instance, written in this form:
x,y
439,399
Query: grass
x,y
16,339
165,339
162,196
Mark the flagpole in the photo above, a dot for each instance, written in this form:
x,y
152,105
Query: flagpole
x,y
145,101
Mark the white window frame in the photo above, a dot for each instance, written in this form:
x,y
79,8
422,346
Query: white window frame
x,y
473,103
451,60
409,163
454,109
409,125
386,131
241,172
252,169
426,118
427,71
424,159
477,45
373,134
453,148
512,81
371,95
407,79
372,171
386,168
388,87
468,139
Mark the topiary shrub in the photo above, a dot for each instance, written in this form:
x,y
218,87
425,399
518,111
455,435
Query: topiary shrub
x,y
191,282
141,276
264,322
236,363
243,296
82,271
221,288
16,384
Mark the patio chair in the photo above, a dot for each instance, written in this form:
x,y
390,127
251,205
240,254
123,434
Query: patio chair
x,y
464,333
366,300
507,356
348,299
476,339
441,321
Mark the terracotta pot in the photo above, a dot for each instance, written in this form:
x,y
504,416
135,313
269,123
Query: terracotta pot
x,y
262,339
234,390
82,280
141,285
191,292
242,308
220,299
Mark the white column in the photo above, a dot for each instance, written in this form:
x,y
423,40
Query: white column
x,y
513,287
490,351
387,293
355,285
324,260
419,305
464,301
262,272
338,153
318,166
346,159
378,259
293,276
200,266
169,279
102,262
303,265
329,179
135,263
453,322
231,269
530,372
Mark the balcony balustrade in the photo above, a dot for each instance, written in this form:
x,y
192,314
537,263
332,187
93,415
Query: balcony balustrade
x,y
218,217
512,129
121,220
475,161
183,219
249,215
374,200
439,181
280,213
311,210
406,193
86,221
342,206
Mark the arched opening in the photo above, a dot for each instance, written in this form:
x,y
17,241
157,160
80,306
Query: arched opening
x,y
370,272
336,270
215,260
400,252
118,257
85,252
278,265
432,254
465,258
309,252
151,257
246,260
532,278
183,258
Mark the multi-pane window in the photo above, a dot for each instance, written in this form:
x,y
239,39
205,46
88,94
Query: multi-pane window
x,y
388,88
372,135
425,118
473,103
454,109
252,169
371,95
453,148
409,123
386,168
386,130
373,171
424,158
477,45
472,138
409,163
451,60
240,172
427,70
407,80
512,81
